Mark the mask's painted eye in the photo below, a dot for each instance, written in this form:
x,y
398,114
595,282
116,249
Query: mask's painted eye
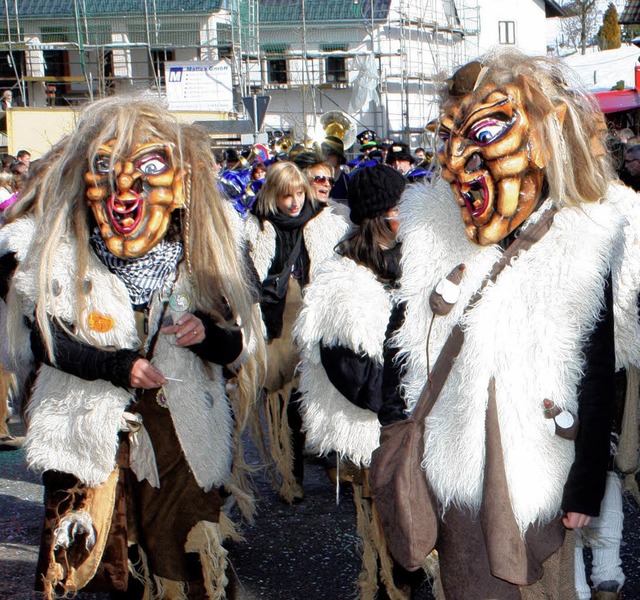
x,y
152,164
102,164
444,135
487,131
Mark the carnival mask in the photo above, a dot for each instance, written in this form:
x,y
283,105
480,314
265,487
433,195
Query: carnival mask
x,y
492,158
132,197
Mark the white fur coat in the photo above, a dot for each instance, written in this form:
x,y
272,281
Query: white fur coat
x,y
73,424
321,234
344,305
527,333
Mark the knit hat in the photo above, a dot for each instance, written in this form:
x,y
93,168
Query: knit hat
x,y
306,160
373,191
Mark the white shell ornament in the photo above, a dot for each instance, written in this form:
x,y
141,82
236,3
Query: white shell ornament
x,y
449,291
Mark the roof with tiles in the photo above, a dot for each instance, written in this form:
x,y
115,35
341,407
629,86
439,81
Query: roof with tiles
x,y
290,11
68,8
631,13
271,11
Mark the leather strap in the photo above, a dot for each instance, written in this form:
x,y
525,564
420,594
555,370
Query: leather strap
x,y
438,376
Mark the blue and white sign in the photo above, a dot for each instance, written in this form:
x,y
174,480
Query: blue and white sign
x,y
199,86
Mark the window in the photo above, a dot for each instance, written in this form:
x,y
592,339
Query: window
x,y
336,66
336,69
57,65
276,62
507,32
10,62
225,41
159,57
277,70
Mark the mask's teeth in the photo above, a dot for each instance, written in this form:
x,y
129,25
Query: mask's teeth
x,y
476,198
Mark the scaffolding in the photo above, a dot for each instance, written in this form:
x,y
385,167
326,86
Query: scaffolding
x,y
307,54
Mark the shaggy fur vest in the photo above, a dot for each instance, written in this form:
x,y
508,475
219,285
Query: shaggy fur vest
x,y
527,333
320,235
345,305
74,423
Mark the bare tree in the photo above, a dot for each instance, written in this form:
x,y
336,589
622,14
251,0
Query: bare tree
x,y
579,29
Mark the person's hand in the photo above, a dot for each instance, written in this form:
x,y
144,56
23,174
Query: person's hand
x,y
144,375
574,520
189,330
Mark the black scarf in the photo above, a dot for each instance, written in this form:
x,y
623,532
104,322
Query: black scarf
x,y
291,258
391,269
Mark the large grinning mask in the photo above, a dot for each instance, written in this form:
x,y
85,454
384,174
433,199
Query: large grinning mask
x,y
490,154
132,196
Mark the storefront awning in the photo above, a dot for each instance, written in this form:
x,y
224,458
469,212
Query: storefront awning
x,y
618,100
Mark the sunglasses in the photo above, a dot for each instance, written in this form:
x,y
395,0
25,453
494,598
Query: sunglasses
x,y
324,179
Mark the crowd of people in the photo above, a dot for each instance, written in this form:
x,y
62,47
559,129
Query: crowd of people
x,y
241,172
158,299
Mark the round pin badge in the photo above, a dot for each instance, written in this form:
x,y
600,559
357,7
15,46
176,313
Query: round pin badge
x,y
180,301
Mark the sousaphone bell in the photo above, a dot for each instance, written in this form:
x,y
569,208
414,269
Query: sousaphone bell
x,y
339,124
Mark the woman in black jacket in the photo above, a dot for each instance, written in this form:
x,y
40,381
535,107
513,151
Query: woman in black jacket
x,y
341,344
289,236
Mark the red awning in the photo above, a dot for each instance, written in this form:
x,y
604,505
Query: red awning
x,y
618,100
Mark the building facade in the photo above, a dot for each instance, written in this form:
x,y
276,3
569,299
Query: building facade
x,y
379,61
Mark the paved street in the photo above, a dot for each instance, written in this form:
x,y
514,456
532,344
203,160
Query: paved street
x,y
306,551
301,552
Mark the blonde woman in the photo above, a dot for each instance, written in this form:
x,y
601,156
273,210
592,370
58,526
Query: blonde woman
x,y
290,235
320,176
6,184
131,310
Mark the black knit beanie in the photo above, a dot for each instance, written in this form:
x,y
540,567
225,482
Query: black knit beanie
x,y
373,191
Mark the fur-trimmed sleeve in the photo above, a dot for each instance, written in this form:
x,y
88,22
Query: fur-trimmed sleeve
x,y
344,305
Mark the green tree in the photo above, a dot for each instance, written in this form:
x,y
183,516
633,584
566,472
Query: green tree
x,y
609,35
630,32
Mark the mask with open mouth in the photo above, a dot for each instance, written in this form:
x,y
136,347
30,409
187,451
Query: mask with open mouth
x,y
490,154
132,197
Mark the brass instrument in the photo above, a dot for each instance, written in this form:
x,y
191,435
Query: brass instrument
x,y
283,145
339,124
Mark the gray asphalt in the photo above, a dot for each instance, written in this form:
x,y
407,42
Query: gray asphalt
x,y
306,551
303,552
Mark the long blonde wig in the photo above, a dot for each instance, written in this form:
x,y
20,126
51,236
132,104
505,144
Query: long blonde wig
x,y
568,122
56,197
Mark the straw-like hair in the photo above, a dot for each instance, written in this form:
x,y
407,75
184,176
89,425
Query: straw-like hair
x,y
282,178
577,166
56,196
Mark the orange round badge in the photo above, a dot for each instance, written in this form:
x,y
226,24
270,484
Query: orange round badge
x,y
100,323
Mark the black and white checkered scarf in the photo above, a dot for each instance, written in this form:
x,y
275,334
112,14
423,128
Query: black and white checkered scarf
x,y
144,275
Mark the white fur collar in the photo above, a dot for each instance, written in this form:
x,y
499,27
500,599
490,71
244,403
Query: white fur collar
x,y
73,423
626,278
321,234
17,236
344,305
527,332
